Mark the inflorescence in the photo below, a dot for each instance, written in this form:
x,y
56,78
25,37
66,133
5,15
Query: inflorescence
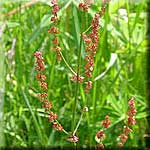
x,y
129,123
54,30
43,97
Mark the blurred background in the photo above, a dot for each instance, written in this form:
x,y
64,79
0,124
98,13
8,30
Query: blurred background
x,y
119,72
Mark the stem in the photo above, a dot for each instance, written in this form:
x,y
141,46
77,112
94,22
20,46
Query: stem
x,y
87,29
77,84
28,4
63,129
78,124
67,64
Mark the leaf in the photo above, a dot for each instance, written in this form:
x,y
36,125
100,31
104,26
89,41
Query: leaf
x,y
114,103
37,128
112,61
115,5
141,115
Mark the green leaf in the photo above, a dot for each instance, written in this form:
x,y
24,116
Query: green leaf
x,y
112,61
141,115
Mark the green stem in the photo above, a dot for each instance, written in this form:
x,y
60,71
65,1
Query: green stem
x,y
63,129
77,84
67,64
78,124
87,29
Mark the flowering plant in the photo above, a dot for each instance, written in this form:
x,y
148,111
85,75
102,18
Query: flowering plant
x,y
91,40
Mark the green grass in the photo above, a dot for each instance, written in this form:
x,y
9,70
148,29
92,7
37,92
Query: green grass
x,y
119,73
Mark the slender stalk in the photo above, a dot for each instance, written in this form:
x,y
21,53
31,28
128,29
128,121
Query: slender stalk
x,y
69,67
28,4
63,129
77,84
87,29
78,124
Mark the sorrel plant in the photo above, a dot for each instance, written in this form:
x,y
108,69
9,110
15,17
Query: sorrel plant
x,y
90,38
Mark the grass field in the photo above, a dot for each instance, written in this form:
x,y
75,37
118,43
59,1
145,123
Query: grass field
x,y
119,72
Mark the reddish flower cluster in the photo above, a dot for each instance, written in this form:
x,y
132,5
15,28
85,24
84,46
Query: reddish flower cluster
x,y
47,105
100,135
124,136
52,117
132,112
73,138
86,5
123,139
54,30
57,126
106,122
91,40
77,78
88,86
131,121
99,146
40,66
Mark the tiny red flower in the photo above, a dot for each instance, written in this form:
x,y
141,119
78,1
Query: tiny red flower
x,y
123,138
73,138
131,120
56,41
47,105
88,86
86,8
131,102
42,95
132,112
126,130
79,78
81,5
54,19
55,9
38,55
41,77
40,66
52,117
57,49
44,85
106,122
100,134
53,1
53,30
57,126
